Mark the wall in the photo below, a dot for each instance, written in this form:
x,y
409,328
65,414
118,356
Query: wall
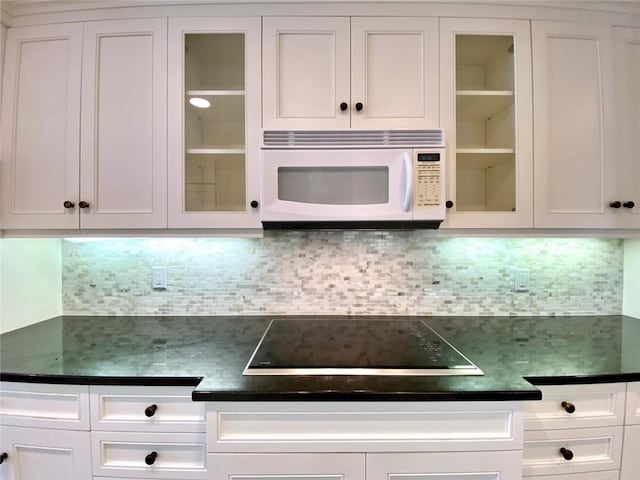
x,y
343,273
631,301
30,281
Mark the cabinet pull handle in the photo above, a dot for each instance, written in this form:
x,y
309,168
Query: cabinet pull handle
x,y
629,204
68,204
254,204
359,106
3,457
449,204
568,407
615,204
83,204
344,106
151,458
150,411
566,453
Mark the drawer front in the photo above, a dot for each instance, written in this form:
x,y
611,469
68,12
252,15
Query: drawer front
x,y
587,450
146,409
44,406
632,416
608,475
356,427
125,454
577,406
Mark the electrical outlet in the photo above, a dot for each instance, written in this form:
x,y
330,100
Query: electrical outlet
x,y
521,280
159,277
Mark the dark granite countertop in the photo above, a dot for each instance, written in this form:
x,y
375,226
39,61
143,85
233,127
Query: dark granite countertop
x,y
210,353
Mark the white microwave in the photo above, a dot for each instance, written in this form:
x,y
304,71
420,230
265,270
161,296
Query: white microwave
x,y
353,179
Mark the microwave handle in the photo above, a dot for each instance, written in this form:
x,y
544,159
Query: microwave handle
x,y
408,190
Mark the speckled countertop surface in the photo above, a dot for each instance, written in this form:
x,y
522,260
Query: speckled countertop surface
x,y
210,353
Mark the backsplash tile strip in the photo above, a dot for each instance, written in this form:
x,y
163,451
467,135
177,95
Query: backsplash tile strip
x,y
343,273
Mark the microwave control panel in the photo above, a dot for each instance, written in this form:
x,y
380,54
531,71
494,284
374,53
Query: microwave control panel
x,y
428,179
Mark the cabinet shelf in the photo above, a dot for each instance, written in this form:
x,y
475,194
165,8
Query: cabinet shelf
x,y
482,157
481,105
214,93
216,151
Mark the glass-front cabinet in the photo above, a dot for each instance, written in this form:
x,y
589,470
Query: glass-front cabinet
x,y
486,111
214,121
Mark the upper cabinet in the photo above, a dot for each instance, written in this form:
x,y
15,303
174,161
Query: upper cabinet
x,y
341,72
214,129
627,51
574,126
486,111
107,170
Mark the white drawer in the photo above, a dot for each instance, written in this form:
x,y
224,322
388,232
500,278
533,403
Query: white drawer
x,y
576,406
608,475
146,409
44,406
592,449
125,454
632,416
370,426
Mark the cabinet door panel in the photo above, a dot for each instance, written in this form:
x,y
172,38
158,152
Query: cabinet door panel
x,y
396,90
627,50
299,466
573,125
124,115
40,126
631,454
35,454
306,72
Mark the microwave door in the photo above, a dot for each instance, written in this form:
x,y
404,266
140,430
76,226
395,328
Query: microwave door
x,y
336,185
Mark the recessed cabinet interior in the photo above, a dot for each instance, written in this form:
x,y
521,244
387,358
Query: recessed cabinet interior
x,y
215,92
341,72
485,107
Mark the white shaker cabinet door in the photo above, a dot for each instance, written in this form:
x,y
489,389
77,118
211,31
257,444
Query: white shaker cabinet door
x,y
124,124
305,72
631,453
574,164
40,126
394,72
38,454
627,51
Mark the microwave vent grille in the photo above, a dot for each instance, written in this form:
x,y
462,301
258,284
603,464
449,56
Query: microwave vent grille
x,y
352,138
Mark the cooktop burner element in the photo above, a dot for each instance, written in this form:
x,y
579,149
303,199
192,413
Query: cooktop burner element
x,y
355,347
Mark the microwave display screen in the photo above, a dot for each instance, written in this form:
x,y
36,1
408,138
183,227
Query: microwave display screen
x,y
428,157
334,185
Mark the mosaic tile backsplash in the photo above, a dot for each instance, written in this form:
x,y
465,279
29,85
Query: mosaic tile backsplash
x,y
343,273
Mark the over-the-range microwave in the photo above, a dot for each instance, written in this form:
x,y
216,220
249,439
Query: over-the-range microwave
x,y
353,179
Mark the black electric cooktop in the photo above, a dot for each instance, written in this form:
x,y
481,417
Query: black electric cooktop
x,y
355,347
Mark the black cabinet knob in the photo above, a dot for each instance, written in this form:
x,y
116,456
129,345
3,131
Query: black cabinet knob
x,y
566,453
83,204
359,106
150,411
68,204
629,204
254,204
568,407
615,204
344,106
151,458
448,204
3,457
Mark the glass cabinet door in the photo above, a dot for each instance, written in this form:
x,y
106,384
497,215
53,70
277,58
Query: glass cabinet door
x,y
216,150
486,110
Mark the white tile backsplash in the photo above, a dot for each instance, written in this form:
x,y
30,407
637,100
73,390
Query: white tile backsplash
x,y
343,272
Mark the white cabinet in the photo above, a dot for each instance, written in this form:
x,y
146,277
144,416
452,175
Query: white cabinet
x,y
575,430
214,128
574,126
40,126
108,170
631,453
444,440
44,432
486,111
627,51
341,72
